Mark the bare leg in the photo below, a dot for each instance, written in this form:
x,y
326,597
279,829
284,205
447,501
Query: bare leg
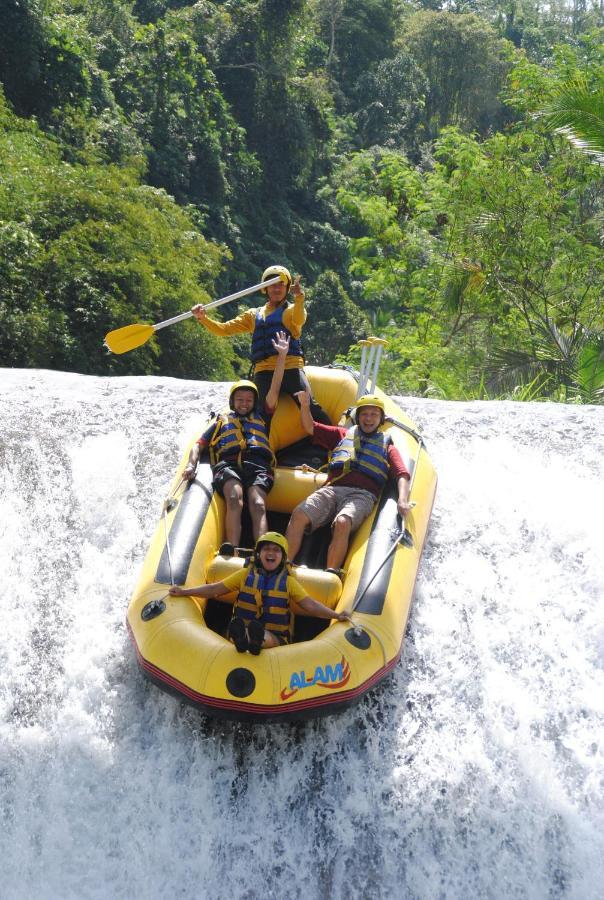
x,y
256,501
233,497
296,527
336,552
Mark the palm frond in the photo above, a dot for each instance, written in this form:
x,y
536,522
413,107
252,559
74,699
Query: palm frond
x,y
572,362
462,276
589,370
578,113
509,367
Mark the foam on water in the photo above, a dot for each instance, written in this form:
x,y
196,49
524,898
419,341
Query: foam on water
x,y
475,770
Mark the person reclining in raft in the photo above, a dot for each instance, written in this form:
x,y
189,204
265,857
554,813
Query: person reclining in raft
x,y
241,456
267,598
264,323
362,459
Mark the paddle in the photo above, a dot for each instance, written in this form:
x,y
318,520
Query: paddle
x,y
121,340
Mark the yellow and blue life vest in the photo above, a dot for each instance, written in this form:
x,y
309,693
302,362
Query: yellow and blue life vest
x,y
235,435
265,331
264,596
363,453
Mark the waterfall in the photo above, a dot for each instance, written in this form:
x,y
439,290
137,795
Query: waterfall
x,y
475,770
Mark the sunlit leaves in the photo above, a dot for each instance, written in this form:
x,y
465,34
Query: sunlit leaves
x,y
578,113
84,249
566,365
489,245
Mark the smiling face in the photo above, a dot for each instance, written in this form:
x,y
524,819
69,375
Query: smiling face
x,y
369,418
276,293
271,556
243,401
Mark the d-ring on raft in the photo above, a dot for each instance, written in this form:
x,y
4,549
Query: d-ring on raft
x,y
180,642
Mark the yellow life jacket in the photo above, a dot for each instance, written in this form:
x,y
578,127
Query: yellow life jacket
x,y
235,434
264,596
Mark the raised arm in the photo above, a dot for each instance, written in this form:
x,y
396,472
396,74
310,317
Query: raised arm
x,y
281,345
305,414
298,310
241,324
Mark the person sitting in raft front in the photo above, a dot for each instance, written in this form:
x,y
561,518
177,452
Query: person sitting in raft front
x,y
267,597
361,461
264,322
241,456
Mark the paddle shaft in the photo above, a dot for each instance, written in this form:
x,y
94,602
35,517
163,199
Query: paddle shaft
x,y
215,303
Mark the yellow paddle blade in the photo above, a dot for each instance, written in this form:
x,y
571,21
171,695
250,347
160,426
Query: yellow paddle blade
x,y
127,338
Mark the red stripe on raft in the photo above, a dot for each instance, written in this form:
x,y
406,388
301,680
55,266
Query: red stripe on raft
x,y
255,707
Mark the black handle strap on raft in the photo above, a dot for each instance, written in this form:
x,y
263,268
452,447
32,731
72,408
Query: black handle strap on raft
x,y
414,434
153,609
342,367
392,421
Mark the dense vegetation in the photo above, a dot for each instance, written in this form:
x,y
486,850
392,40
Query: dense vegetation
x,y
434,171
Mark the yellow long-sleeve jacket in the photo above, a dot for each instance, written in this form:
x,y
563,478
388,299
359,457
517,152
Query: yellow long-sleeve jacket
x,y
294,317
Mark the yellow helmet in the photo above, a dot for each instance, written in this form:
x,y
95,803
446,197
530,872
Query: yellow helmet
x,y
281,271
245,385
273,537
370,400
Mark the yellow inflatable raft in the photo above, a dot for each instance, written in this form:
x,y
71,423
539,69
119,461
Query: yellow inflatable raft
x,y
180,642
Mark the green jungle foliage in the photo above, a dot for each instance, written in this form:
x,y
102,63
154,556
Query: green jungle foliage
x,y
432,169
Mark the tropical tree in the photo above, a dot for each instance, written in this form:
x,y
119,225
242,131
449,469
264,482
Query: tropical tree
x,y
390,102
334,322
577,112
359,34
86,248
497,240
559,365
41,63
465,63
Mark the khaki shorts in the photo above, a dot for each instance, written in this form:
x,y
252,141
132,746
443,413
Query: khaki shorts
x,y
327,502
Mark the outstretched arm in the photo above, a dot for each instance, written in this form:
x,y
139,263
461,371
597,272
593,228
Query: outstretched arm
x,y
305,414
281,345
239,325
316,608
211,591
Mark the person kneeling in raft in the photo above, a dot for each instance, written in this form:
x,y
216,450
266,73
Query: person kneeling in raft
x,y
241,456
264,323
268,597
361,461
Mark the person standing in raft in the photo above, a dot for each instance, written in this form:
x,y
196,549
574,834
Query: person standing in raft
x,y
264,322
267,598
241,456
362,460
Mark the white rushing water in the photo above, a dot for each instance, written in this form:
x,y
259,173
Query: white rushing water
x,y
475,770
